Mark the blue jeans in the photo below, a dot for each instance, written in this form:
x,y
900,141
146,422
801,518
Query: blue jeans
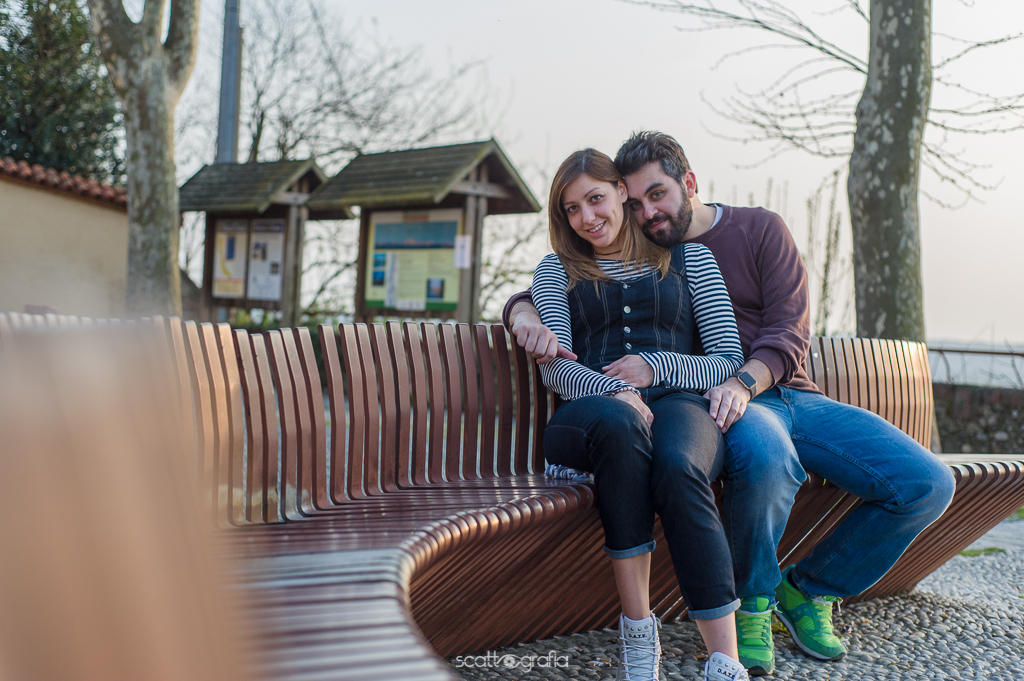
x,y
904,487
666,468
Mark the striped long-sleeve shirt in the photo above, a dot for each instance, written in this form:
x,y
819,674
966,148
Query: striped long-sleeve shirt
x,y
712,312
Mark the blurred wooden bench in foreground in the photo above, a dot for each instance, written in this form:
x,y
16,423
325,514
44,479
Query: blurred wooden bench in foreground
x,y
408,518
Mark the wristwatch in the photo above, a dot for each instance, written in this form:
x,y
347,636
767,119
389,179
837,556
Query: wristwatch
x,y
748,382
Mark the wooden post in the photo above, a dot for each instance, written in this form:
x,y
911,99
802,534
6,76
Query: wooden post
x,y
464,312
478,243
206,294
300,241
292,258
364,238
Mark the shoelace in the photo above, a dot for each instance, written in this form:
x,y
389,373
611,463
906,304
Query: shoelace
x,y
754,627
639,661
823,612
640,658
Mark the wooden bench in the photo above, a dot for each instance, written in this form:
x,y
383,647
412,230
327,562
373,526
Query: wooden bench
x,y
408,518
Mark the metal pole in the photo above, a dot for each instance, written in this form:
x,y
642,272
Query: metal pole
x,y
230,85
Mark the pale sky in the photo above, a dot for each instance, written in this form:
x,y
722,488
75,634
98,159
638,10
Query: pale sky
x,y
578,73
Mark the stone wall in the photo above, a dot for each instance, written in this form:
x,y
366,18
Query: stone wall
x,y
974,419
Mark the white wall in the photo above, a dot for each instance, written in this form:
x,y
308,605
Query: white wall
x,y
61,251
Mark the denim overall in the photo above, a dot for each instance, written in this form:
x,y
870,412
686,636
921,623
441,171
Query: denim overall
x,y
639,469
647,314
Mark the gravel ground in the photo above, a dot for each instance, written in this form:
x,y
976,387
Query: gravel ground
x,y
965,621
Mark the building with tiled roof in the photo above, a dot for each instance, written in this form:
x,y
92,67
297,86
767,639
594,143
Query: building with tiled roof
x,y
63,242
61,182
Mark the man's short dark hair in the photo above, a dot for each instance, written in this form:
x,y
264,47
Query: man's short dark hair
x,y
648,146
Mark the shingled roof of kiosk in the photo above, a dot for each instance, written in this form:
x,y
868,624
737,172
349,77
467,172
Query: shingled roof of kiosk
x,y
253,187
424,177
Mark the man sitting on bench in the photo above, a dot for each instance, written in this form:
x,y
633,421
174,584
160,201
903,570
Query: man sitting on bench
x,y
789,426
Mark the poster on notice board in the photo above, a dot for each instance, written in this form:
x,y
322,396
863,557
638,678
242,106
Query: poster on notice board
x,y
411,260
266,259
230,256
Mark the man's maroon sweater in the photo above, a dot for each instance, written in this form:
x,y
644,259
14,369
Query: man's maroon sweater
x,y
768,286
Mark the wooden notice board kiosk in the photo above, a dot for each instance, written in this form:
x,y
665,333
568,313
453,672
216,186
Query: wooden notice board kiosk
x,y
255,224
421,225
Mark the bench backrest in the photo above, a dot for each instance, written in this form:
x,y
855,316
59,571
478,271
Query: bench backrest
x,y
412,404
407,405
891,378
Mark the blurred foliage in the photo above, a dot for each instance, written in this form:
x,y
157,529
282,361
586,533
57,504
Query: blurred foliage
x,y
974,553
57,107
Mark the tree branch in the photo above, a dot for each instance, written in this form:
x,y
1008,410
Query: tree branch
x,y
182,39
780,115
112,27
326,283
152,19
771,17
975,46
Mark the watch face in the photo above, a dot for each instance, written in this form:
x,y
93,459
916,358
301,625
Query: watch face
x,y
747,380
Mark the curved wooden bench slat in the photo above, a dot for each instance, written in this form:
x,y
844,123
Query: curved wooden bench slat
x,y
357,457
275,481
435,408
521,363
453,404
488,411
505,407
471,406
256,483
418,388
289,467
202,397
388,395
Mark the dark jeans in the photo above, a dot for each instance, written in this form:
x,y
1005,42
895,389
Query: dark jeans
x,y
666,468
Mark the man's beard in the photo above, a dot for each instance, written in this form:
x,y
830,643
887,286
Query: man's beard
x,y
675,228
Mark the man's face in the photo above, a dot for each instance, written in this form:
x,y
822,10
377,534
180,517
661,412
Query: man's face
x,y
661,205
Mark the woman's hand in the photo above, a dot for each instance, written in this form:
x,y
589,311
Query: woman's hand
x,y
531,334
633,400
728,403
632,369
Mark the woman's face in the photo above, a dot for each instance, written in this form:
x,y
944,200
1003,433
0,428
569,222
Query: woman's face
x,y
595,211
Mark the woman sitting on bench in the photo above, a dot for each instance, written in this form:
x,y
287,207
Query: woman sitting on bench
x,y
629,309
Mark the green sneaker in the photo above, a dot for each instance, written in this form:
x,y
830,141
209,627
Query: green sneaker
x,y
809,620
754,635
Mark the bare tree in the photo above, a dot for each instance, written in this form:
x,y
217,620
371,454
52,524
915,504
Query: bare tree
x,y
512,246
149,72
509,259
330,256
316,86
826,269
876,110
191,243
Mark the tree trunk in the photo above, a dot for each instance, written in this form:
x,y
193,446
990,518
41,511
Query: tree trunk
x,y
154,284
148,76
885,168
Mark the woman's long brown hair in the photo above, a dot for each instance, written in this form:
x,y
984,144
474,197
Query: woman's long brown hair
x,y
575,252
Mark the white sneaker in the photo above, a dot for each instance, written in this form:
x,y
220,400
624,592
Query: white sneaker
x,y
640,654
721,667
